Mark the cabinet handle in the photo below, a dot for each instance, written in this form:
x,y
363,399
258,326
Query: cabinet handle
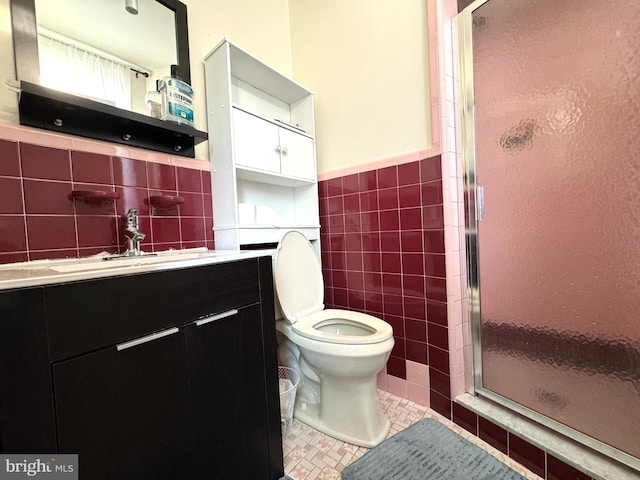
x,y
278,149
213,318
148,338
284,150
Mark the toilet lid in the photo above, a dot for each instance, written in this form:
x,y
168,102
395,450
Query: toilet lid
x,y
298,277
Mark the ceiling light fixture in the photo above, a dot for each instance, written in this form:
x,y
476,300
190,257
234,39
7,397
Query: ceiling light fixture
x,y
131,6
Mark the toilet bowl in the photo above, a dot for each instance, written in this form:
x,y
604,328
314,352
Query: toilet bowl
x,y
338,352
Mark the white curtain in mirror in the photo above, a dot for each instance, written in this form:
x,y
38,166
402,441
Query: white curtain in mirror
x,y
71,69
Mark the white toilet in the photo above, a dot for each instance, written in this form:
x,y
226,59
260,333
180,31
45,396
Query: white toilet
x,y
338,352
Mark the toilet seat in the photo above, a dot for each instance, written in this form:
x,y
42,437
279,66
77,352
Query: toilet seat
x,y
300,289
298,277
314,326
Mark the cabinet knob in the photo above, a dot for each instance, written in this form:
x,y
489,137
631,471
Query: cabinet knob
x,y
284,150
278,149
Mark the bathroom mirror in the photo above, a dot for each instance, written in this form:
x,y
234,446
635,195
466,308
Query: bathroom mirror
x,y
124,52
94,115
98,46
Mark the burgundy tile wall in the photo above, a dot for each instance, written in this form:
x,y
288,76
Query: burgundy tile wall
x,y
558,470
381,257
526,454
382,240
39,219
383,253
491,433
535,459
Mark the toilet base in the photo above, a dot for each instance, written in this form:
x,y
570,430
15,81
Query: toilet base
x,y
349,412
310,416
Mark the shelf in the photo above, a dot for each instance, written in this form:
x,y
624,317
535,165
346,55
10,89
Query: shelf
x,y
95,197
249,69
259,176
262,132
236,236
50,109
248,235
280,227
277,122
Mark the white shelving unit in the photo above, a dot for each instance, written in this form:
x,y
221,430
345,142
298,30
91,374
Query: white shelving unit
x,y
262,151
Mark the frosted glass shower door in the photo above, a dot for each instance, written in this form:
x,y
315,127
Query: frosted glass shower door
x,y
557,126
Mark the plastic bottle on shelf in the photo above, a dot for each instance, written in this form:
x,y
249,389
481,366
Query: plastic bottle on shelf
x,y
153,100
177,98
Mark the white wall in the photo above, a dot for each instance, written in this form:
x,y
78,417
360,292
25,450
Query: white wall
x,y
367,63
365,60
259,26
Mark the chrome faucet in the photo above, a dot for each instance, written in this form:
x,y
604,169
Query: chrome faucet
x,y
132,233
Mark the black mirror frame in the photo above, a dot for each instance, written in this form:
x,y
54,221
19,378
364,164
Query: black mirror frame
x,y
25,40
182,37
49,109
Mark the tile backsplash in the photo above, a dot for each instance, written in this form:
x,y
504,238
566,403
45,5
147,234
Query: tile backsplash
x,y
383,254
40,219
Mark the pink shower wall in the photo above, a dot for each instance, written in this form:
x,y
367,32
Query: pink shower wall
x,y
39,219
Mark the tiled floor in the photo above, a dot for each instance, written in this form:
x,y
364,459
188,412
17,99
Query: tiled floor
x,y
311,455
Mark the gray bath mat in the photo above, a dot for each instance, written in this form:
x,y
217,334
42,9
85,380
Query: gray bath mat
x,y
427,450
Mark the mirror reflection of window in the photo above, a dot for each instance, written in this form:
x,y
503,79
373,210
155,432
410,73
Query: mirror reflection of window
x,y
79,69
96,49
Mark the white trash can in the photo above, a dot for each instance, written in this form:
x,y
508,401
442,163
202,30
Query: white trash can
x,y
288,379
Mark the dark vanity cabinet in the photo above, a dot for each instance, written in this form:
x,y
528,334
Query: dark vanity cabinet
x,y
119,409
161,375
238,418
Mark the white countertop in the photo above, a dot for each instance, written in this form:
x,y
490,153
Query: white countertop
x,y
46,272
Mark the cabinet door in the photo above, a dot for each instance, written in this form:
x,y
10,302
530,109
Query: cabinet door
x,y
255,142
297,159
229,411
26,402
126,412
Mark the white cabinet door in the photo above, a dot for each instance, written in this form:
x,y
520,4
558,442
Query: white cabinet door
x,y
255,142
297,158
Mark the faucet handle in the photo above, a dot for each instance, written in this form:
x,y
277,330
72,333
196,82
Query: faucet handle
x,y
132,217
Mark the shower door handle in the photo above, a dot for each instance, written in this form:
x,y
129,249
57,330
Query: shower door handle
x,y
480,202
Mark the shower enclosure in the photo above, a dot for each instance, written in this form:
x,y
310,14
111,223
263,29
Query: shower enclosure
x,y
551,147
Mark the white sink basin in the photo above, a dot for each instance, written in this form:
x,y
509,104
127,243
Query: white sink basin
x,y
44,272
102,263
119,262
